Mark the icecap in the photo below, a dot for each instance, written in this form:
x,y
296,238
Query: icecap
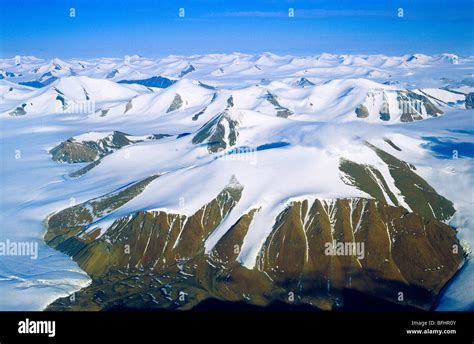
x,y
299,159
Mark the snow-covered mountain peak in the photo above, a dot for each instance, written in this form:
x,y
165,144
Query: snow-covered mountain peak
x,y
187,156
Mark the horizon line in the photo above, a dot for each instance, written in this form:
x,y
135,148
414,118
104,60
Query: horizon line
x,y
233,53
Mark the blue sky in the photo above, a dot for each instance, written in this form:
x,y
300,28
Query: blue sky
x,y
153,28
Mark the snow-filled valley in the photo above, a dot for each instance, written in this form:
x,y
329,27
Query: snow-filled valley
x,y
78,129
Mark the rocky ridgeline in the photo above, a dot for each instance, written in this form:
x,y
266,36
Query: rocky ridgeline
x,y
92,150
411,106
73,150
317,252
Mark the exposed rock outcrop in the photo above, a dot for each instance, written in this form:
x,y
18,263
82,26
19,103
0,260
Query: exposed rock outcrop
x,y
317,250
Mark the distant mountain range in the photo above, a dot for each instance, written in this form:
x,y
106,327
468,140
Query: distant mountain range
x,y
257,179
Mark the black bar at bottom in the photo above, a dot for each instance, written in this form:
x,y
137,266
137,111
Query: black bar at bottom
x,y
245,326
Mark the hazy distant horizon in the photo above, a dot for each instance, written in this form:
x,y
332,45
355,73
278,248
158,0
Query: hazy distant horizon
x,y
230,53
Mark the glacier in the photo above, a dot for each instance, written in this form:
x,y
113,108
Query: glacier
x,y
87,100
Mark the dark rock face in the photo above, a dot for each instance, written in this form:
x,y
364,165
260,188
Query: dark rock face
x,y
230,102
218,133
128,106
362,112
189,68
393,145
470,101
112,74
418,194
85,169
176,104
384,115
411,105
72,221
281,111
399,248
303,82
72,151
155,259
19,111
200,113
